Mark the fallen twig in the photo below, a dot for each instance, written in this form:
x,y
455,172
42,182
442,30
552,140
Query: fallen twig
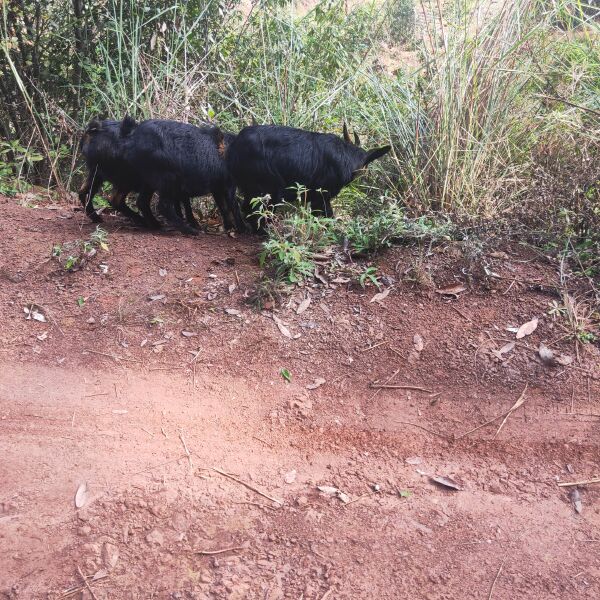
x,y
440,435
87,585
221,551
361,497
327,594
393,386
247,485
520,400
460,313
79,588
263,441
189,456
113,356
374,346
504,414
584,482
386,381
496,579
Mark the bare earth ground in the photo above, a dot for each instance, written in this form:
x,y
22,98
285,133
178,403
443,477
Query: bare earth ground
x,y
118,419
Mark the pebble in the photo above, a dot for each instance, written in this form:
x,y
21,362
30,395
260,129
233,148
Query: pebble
x,y
155,537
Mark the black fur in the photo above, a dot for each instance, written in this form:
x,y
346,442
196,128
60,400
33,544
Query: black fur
x,y
269,159
102,148
181,161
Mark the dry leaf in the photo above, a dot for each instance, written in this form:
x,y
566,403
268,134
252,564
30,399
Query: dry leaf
x,y
381,296
157,297
575,497
413,460
119,411
527,328
232,287
320,277
318,382
451,290
418,342
33,313
81,495
546,355
446,482
282,328
343,497
333,491
233,311
504,350
162,272
188,334
564,360
303,305
326,489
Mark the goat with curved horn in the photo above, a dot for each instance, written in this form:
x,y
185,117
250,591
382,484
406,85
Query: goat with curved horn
x,y
356,139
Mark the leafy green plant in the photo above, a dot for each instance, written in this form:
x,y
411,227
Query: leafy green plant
x,y
295,235
369,274
287,376
14,160
74,255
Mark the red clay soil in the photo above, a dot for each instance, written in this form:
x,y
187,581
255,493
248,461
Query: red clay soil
x,y
110,394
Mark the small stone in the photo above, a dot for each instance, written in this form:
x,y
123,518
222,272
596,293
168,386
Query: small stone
x,y
110,555
290,476
155,537
205,578
91,321
84,531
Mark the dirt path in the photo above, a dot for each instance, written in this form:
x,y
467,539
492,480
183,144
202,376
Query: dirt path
x,y
105,390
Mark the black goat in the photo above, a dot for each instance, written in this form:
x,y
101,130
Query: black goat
x,y
270,159
102,148
181,161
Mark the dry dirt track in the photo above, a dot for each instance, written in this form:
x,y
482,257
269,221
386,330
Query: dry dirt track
x,y
115,418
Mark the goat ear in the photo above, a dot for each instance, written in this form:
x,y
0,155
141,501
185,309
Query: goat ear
x,y
220,140
375,154
128,124
94,125
254,121
356,139
346,134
